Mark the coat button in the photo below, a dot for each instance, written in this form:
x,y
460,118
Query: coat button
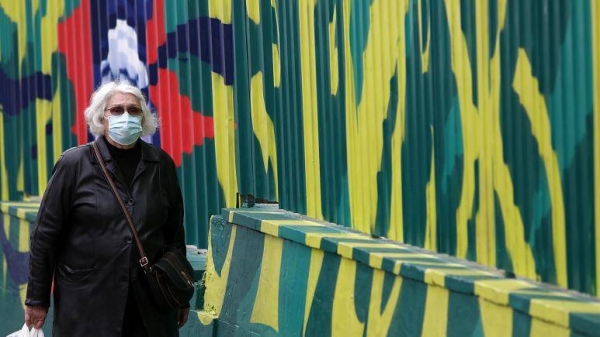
x,y
130,202
128,239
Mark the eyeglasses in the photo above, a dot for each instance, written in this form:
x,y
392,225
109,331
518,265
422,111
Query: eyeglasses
x,y
118,110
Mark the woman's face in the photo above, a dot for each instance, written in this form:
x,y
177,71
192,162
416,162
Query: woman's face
x,y
117,103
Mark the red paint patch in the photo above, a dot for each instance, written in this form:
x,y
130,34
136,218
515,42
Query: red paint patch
x,y
155,31
181,128
75,42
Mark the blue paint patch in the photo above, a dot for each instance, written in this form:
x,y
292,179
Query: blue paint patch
x,y
18,94
17,262
206,38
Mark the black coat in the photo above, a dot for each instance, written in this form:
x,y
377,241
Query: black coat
x,y
82,238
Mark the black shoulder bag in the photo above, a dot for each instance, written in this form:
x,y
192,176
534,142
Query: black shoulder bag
x,y
170,278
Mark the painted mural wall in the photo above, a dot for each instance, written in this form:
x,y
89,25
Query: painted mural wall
x,y
462,126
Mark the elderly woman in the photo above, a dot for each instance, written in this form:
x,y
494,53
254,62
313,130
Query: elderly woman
x,y
81,239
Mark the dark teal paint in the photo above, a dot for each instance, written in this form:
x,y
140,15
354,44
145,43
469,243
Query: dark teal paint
x,y
408,323
469,29
220,235
503,258
360,23
463,315
289,132
471,223
388,284
384,176
363,286
295,261
521,324
321,312
242,283
578,190
331,109
447,130
210,194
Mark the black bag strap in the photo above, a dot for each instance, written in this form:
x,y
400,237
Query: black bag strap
x,y
144,259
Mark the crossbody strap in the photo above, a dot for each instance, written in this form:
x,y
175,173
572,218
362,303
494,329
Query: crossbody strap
x,y
144,259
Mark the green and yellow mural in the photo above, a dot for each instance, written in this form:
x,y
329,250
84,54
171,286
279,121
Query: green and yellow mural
x,y
467,127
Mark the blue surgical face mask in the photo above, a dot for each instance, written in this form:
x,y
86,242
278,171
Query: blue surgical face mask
x,y
125,129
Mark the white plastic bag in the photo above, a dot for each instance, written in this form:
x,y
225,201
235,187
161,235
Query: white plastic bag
x,y
25,332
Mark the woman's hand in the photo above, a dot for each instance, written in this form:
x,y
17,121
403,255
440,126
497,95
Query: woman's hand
x,y
35,316
183,316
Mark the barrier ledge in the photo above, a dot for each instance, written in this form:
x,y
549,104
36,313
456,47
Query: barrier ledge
x,y
577,312
24,210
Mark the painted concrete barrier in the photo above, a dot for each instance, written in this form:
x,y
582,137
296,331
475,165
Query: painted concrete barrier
x,y
272,272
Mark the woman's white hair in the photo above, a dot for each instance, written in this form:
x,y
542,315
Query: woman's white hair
x,y
94,113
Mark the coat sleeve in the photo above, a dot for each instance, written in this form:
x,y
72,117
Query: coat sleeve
x,y
45,238
174,232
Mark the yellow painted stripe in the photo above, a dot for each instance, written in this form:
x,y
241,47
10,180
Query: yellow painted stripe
x,y
215,294
6,229
534,103
275,47
56,125
266,304
376,259
436,312
224,118
499,291
253,10
497,321
485,217
344,318
595,22
313,240
49,27
437,276
220,9
345,249
316,262
269,228
541,328
295,223
24,235
263,128
43,111
276,66
3,173
380,320
425,51
558,311
430,198
396,228
461,68
306,10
